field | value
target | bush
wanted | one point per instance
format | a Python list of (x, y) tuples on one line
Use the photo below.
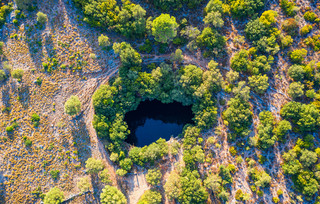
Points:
[(111, 194), (104, 41), (54, 196), (35, 118), (289, 7), (55, 174), (41, 17), (296, 72), (72, 106), (104, 176), (153, 177), (285, 41), (297, 56), (84, 184), (259, 83), (27, 141), (296, 90), (1, 47), (240, 61), (306, 29), (3, 75), (291, 26), (9, 129), (310, 16), (94, 166), (150, 197), (17, 74)]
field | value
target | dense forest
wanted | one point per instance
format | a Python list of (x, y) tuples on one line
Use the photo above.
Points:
[(70, 71)]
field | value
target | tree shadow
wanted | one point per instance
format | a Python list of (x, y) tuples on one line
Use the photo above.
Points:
[(81, 137), (6, 98), (2, 189), (24, 95)]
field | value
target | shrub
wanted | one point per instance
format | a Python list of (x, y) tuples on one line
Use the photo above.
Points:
[(296, 72), (35, 118), (111, 194), (27, 141), (9, 129), (153, 177), (84, 184), (233, 151), (296, 90), (94, 166), (54, 196), (150, 197), (104, 41), (306, 29), (310, 16), (285, 41), (17, 74), (104, 176), (3, 75), (291, 26), (41, 17), (297, 56), (55, 174), (289, 7), (72, 106)]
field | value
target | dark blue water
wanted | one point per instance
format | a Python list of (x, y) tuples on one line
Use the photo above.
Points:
[(153, 120)]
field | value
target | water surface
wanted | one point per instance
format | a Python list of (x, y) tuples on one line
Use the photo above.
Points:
[(153, 120)]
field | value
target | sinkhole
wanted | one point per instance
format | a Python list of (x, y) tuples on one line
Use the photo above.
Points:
[(153, 120)]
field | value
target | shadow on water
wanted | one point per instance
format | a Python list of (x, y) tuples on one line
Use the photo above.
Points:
[(153, 119)]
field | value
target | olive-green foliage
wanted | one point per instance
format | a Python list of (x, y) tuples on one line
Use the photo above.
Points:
[(291, 26), (285, 41), (192, 190), (296, 72), (130, 59), (84, 184), (164, 28), (150, 197), (55, 174), (72, 105), (17, 74), (305, 116), (153, 177), (241, 91), (310, 16), (4, 12), (266, 138), (240, 61), (111, 194), (306, 29), (238, 116), (41, 18), (1, 47), (245, 8), (104, 176), (282, 128), (104, 41), (255, 29), (24, 4), (94, 166), (296, 90), (297, 56), (213, 182), (54, 196), (211, 40), (172, 185), (259, 83), (289, 7), (214, 14)]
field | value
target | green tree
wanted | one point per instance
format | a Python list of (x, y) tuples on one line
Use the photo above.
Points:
[(119, 131), (213, 182), (296, 72), (245, 8), (84, 184), (282, 128), (111, 194), (41, 18), (240, 61), (172, 185), (54, 196), (259, 83), (72, 105), (3, 75), (150, 197), (104, 41), (214, 18), (308, 158), (211, 39), (255, 29), (153, 177), (297, 56), (1, 47), (104, 176), (24, 4), (177, 56), (126, 164), (241, 91), (164, 28), (296, 90), (94, 166)]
